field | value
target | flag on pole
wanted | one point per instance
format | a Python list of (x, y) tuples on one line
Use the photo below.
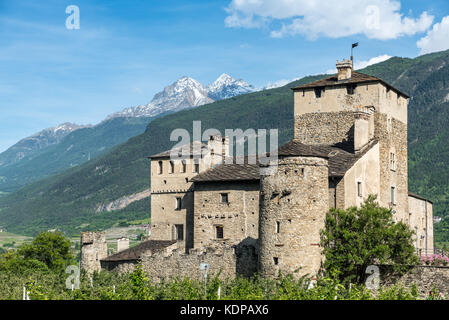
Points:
[(355, 45)]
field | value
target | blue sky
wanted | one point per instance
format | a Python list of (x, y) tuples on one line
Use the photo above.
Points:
[(126, 51)]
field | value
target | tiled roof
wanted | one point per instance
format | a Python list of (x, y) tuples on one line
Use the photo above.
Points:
[(166, 154), (229, 172), (357, 77), (135, 253), (340, 161), (296, 148)]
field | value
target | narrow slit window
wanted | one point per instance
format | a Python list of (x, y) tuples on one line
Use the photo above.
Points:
[(276, 261), (178, 203), (172, 167), (196, 168), (278, 227), (393, 190), (179, 232), (183, 166), (359, 189), (160, 167), (219, 232)]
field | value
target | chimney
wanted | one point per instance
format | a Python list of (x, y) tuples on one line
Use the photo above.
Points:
[(344, 69), (363, 127), (218, 147), (122, 244)]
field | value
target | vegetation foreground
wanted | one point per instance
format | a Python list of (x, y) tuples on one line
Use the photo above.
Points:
[(135, 286), (47, 269)]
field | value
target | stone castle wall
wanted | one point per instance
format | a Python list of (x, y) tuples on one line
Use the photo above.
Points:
[(392, 136), (325, 128), (224, 260), (294, 202), (424, 277), (93, 249), (239, 217)]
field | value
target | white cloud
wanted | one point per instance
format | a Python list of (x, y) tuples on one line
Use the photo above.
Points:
[(365, 63), (436, 39), (279, 83), (376, 19)]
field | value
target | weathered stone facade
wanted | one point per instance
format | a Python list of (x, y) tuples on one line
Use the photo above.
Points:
[(172, 200), (426, 278), (226, 260), (420, 219), (231, 206), (294, 203), (93, 249)]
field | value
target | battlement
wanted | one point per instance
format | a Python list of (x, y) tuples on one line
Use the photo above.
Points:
[(344, 68), (89, 237)]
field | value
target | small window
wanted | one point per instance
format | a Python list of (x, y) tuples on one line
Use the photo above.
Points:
[(224, 198), (160, 167), (276, 261), (392, 161), (359, 189), (350, 89), (318, 92), (183, 166), (219, 232), (196, 168), (172, 167), (179, 232), (393, 190), (178, 203), (278, 227), (303, 93)]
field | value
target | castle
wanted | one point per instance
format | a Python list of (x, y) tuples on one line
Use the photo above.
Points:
[(350, 141)]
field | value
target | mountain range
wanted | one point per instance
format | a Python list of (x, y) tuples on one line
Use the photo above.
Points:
[(70, 200), (67, 145)]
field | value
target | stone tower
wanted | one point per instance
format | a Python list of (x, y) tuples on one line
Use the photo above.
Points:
[(352, 111), (172, 198), (293, 206), (93, 249)]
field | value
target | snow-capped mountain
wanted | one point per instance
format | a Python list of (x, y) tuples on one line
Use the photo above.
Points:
[(182, 94), (36, 142), (227, 87), (187, 93)]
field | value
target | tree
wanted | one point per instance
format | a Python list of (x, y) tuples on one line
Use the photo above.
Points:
[(355, 238), (48, 250)]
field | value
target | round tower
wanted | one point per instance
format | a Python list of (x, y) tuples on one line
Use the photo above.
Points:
[(294, 201)]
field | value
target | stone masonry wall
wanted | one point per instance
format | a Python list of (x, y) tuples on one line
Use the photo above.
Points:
[(224, 260), (239, 217), (325, 128), (425, 277), (93, 249), (393, 139), (294, 202)]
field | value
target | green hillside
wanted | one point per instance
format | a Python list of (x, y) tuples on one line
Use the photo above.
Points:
[(74, 150), (69, 200)]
